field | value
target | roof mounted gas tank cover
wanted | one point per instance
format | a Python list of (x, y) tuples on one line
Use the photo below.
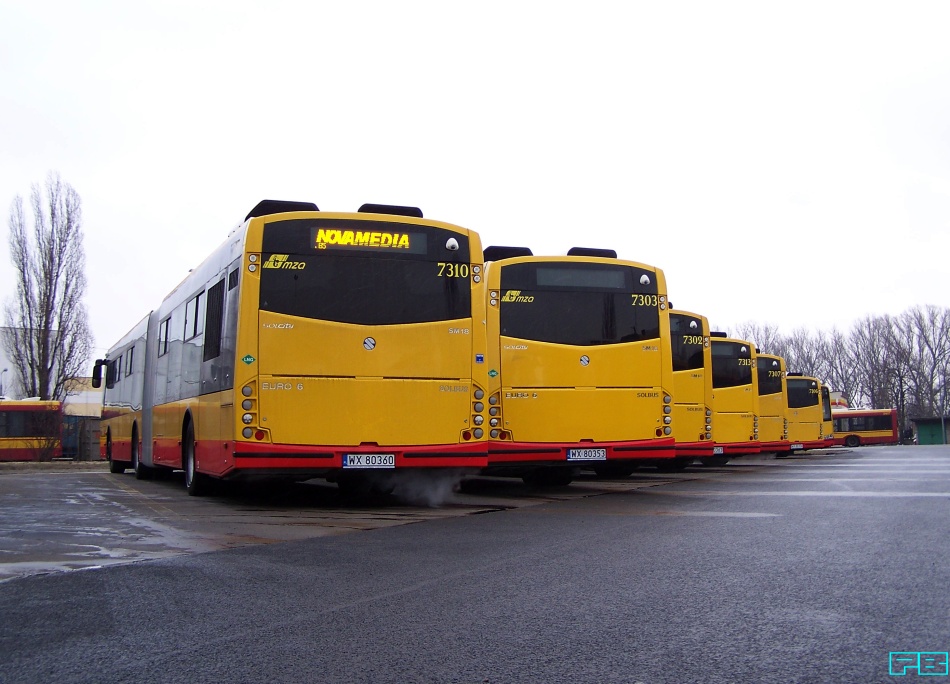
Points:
[(266, 207), (393, 209), (796, 375), (497, 253), (592, 252), (716, 333)]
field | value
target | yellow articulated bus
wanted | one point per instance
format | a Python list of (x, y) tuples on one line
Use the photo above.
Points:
[(735, 398), (773, 403), (810, 424), (692, 387), (310, 344), (579, 364)]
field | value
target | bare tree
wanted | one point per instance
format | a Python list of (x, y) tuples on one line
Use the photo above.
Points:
[(47, 335)]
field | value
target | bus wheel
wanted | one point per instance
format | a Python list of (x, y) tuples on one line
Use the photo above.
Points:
[(142, 471), (852, 441), (196, 483), (549, 477), (116, 467), (716, 461), (615, 470), (674, 465)]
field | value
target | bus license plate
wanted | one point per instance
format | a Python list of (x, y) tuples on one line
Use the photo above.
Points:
[(718, 451), (369, 460), (586, 454), (793, 447)]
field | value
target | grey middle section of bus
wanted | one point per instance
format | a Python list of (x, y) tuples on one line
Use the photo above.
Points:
[(151, 354)]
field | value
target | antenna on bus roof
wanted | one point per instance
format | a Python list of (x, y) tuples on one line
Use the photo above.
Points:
[(496, 253), (266, 207), (592, 252), (716, 333), (394, 209)]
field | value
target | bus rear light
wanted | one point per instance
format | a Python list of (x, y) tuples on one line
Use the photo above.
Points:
[(493, 422), (667, 399), (493, 399), (708, 435), (667, 409), (659, 432), (667, 420), (466, 435), (247, 418), (259, 435), (247, 404), (493, 411), (667, 431), (478, 420), (479, 407), (479, 394), (478, 433), (247, 433), (247, 390), (494, 434)]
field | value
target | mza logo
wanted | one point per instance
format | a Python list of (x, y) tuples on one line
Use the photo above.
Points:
[(282, 261), (920, 663), (516, 296)]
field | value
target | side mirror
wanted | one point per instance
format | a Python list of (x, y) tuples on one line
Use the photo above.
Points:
[(97, 373)]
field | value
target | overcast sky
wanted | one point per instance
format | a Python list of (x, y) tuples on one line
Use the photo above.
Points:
[(784, 163)]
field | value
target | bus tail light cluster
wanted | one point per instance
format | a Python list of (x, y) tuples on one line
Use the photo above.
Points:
[(708, 434), (250, 416), (478, 418), (785, 429), (495, 420), (755, 428), (667, 428)]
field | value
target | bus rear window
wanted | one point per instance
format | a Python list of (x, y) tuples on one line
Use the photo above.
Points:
[(581, 304), (731, 364), (687, 341), (365, 272), (802, 393)]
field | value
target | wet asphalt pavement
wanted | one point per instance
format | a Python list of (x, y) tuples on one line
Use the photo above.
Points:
[(811, 569)]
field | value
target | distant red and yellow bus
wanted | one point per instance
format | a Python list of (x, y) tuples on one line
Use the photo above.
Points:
[(857, 427), (30, 430)]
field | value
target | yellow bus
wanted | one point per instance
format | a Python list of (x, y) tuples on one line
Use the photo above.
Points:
[(310, 344), (809, 413), (773, 403), (692, 387), (735, 398), (579, 364)]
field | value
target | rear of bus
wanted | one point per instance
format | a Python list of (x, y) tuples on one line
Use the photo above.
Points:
[(359, 340), (773, 403), (735, 396), (579, 364), (809, 413), (692, 385)]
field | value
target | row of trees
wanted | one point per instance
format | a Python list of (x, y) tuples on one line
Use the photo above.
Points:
[(900, 362)]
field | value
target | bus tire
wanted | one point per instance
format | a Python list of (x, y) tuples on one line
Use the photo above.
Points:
[(674, 465), (716, 461), (142, 471), (852, 441), (615, 470), (115, 467), (549, 477), (196, 483)]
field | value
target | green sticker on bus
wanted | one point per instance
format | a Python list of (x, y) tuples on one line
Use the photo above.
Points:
[(248, 359)]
